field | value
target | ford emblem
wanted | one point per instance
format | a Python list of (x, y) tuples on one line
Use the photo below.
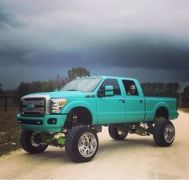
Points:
[(30, 106)]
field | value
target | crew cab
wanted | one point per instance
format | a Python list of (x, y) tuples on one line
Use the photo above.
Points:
[(72, 116)]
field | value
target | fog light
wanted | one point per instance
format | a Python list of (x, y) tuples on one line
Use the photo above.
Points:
[(52, 121)]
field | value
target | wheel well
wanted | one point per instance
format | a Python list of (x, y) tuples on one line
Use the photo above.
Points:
[(162, 112), (78, 116)]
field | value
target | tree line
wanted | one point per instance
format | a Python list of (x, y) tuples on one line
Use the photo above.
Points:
[(171, 89), (50, 85)]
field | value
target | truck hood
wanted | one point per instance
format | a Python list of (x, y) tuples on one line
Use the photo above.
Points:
[(59, 94)]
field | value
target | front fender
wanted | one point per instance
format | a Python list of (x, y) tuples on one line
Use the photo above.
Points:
[(80, 103)]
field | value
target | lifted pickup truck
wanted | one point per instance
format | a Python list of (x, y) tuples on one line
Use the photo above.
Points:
[(72, 116)]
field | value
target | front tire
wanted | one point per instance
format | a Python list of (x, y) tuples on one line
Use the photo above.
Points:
[(164, 133), (81, 144), (31, 142), (117, 132)]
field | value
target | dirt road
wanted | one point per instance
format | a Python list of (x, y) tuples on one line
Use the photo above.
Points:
[(135, 158)]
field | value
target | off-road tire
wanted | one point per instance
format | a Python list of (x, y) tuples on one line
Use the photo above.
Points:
[(26, 143), (162, 138), (115, 134), (73, 142)]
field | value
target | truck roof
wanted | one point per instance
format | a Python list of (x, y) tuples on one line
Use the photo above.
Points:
[(109, 77)]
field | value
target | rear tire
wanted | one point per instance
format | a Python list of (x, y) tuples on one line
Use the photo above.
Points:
[(117, 132), (31, 142), (164, 133), (81, 144)]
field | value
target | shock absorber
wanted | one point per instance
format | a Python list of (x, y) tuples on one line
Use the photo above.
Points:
[(140, 129), (74, 119)]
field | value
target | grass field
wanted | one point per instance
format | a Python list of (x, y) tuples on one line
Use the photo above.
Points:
[(9, 131)]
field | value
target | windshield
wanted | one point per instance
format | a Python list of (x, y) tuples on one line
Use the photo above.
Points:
[(82, 84)]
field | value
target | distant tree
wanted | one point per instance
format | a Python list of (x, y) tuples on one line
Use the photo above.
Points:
[(172, 89), (33, 87), (1, 87), (60, 81), (23, 89), (77, 72), (161, 89), (51, 85), (185, 97)]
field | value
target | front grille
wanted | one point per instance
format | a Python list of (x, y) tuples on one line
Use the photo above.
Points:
[(33, 107)]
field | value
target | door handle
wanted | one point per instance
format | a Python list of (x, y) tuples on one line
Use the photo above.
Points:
[(141, 101), (122, 100)]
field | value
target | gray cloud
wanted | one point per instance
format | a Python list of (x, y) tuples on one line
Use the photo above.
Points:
[(114, 37), (8, 20), (10, 55), (146, 52), (4, 19), (135, 52)]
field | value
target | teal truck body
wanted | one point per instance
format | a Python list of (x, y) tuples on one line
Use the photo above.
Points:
[(93, 102)]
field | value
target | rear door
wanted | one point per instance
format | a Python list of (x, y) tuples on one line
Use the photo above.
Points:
[(135, 105), (111, 109)]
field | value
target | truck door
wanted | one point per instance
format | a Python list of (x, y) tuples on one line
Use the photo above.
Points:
[(134, 100), (111, 109)]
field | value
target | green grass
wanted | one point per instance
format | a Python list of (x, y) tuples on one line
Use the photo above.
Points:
[(9, 131)]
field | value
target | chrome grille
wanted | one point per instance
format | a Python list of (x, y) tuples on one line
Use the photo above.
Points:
[(33, 106)]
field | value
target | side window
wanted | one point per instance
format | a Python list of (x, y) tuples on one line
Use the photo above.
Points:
[(130, 88), (112, 82)]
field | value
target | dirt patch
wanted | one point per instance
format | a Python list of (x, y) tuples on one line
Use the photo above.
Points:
[(184, 110), (136, 157)]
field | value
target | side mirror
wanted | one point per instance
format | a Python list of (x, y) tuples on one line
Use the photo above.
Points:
[(109, 90)]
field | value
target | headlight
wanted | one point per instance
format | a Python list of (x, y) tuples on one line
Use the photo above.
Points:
[(57, 105)]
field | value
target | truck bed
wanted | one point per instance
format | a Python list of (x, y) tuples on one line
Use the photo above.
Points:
[(152, 103)]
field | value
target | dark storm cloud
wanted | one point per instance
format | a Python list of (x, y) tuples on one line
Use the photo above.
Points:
[(4, 19), (7, 19), (129, 38), (134, 52), (10, 56), (155, 53)]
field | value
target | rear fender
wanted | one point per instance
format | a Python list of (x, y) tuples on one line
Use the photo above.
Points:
[(160, 105)]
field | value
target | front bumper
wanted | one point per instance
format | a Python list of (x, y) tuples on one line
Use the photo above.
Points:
[(44, 123)]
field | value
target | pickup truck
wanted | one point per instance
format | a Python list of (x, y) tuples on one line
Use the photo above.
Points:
[(72, 116)]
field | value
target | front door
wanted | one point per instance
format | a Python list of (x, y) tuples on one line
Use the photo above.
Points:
[(111, 109)]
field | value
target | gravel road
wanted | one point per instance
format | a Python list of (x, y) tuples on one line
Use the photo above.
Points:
[(134, 158)]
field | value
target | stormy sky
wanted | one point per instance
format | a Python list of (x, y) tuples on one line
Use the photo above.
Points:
[(146, 39)]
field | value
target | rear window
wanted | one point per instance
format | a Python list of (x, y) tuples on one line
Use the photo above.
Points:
[(130, 88)]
